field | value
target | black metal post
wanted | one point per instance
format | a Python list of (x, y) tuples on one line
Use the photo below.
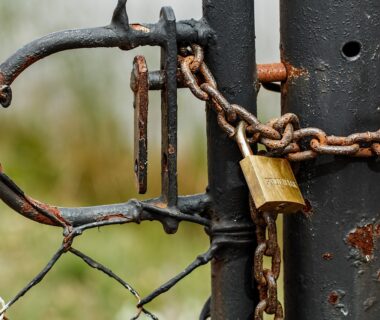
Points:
[(332, 265), (232, 60)]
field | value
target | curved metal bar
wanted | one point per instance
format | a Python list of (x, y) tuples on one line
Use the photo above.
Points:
[(108, 36), (117, 34), (190, 208)]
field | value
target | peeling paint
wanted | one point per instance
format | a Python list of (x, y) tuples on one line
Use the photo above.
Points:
[(139, 27)]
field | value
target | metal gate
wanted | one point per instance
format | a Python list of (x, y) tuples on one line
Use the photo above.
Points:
[(328, 77)]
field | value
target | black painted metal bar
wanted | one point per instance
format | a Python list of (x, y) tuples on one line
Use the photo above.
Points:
[(231, 59), (169, 109), (332, 265)]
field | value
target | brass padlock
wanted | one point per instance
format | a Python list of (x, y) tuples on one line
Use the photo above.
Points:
[(271, 181)]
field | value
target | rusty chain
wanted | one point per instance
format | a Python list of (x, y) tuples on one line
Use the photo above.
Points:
[(267, 245), (281, 136)]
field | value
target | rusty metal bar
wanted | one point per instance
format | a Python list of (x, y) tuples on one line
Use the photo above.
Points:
[(271, 72), (140, 87), (231, 59), (266, 73), (332, 257)]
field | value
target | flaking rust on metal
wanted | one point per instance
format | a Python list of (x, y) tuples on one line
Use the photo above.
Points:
[(2, 78), (171, 149), (364, 239), (333, 298), (139, 27), (292, 73), (30, 208), (140, 87)]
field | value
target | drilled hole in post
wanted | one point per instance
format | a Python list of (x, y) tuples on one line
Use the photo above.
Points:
[(351, 50)]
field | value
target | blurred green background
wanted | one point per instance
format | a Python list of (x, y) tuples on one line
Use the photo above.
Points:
[(67, 140)]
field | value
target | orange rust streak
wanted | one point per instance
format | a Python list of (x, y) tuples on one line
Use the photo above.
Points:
[(2, 79), (362, 239), (51, 209), (139, 27), (271, 72), (30, 212)]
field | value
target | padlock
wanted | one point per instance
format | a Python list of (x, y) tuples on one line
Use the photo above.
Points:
[(271, 181)]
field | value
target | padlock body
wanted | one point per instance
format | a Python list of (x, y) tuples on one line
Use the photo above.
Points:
[(272, 184)]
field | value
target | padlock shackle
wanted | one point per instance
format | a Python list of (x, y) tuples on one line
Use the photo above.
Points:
[(241, 139)]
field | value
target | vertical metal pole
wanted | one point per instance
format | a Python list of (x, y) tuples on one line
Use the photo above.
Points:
[(232, 60), (169, 110), (332, 256)]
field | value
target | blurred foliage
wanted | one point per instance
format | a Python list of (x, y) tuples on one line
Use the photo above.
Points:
[(67, 140)]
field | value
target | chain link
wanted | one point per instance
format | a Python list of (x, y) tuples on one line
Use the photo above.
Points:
[(281, 136), (267, 245)]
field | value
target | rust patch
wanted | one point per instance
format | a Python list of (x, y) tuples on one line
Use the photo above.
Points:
[(362, 238), (171, 149), (333, 298), (46, 207), (293, 72), (2, 78), (271, 72), (31, 213), (28, 61), (140, 86), (327, 256), (139, 27)]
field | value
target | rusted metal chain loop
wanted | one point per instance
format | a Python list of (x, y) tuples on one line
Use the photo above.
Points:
[(318, 147), (254, 125), (271, 292), (301, 156), (281, 136), (225, 125), (258, 264), (285, 140), (262, 306), (198, 57), (266, 234), (207, 75), (280, 123), (190, 79), (220, 99), (376, 148)]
